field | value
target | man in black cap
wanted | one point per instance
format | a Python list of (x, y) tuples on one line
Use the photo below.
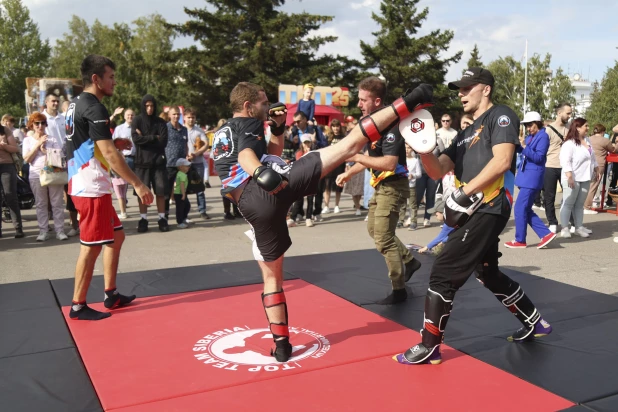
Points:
[(483, 159)]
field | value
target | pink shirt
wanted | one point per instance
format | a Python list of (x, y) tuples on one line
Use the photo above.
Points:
[(39, 160)]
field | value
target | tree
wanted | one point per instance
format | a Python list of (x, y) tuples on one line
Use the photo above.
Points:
[(475, 58), (604, 100), (509, 82), (407, 59), (560, 90), (141, 54), (23, 54), (249, 40)]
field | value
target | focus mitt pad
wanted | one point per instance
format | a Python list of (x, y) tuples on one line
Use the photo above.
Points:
[(418, 131), (277, 129), (269, 180), (459, 207)]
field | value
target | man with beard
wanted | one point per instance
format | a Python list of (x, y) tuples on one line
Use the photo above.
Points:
[(264, 186), (149, 133), (483, 159)]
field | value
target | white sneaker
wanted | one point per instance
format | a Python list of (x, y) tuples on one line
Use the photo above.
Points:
[(553, 228), (73, 232), (585, 229), (572, 230), (536, 207), (367, 218), (616, 239), (326, 210), (407, 222), (61, 236), (336, 210), (188, 221), (122, 216), (43, 236), (291, 222), (182, 225), (590, 212), (581, 232), (565, 233), (318, 218), (358, 212), (426, 223), (309, 223)]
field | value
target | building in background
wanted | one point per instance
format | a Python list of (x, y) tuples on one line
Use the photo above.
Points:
[(583, 88)]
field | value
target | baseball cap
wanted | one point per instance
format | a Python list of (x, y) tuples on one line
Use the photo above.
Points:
[(473, 75), (305, 137), (531, 117), (182, 162)]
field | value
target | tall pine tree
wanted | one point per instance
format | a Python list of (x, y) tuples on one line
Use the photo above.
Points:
[(475, 58), (407, 59), (23, 54), (248, 40)]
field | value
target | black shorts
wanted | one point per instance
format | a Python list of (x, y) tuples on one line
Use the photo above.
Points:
[(267, 213), (154, 178), (70, 204)]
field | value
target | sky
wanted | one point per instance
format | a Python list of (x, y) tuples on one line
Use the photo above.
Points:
[(582, 37)]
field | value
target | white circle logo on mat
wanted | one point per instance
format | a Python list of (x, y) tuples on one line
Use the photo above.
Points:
[(243, 348)]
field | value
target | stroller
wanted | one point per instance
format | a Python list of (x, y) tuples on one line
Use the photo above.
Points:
[(25, 197)]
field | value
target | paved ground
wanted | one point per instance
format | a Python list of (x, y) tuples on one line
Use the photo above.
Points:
[(588, 263)]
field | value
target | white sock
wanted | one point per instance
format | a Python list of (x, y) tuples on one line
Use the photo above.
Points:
[(161, 215), (144, 215)]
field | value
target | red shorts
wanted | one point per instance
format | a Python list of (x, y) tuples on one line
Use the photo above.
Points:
[(97, 220)]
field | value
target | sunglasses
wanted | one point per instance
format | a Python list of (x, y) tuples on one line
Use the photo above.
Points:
[(446, 121), (40, 123)]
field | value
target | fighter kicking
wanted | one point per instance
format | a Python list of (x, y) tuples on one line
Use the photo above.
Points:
[(483, 158), (264, 186)]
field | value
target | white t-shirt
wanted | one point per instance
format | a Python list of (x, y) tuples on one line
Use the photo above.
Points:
[(39, 160), (446, 135), (414, 170), (124, 132), (55, 126)]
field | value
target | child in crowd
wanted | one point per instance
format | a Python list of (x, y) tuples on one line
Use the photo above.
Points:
[(307, 104), (414, 172), (180, 193), (448, 183)]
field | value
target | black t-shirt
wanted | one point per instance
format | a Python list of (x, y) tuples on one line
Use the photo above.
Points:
[(232, 138), (471, 150), (87, 121), (391, 144)]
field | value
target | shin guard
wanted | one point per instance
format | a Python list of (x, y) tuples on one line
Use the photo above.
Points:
[(280, 331), (437, 312)]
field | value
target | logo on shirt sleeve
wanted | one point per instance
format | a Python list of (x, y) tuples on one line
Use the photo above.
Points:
[(504, 121), (69, 125), (222, 143), (390, 138)]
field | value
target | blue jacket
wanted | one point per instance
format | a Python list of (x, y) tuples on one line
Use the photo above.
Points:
[(531, 169)]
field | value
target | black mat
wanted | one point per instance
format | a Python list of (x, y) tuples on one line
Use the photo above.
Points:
[(609, 404), (49, 381), (578, 361), (168, 281), (26, 295)]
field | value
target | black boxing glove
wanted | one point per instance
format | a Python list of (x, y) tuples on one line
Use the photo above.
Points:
[(459, 207), (269, 180), (420, 97), (276, 129)]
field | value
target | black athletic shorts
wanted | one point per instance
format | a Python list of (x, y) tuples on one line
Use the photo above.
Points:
[(70, 205), (154, 178), (267, 213)]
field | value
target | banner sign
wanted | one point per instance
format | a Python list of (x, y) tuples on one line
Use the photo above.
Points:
[(324, 95)]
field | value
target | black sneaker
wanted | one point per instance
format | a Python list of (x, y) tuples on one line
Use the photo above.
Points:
[(282, 350), (18, 234), (399, 225), (163, 225), (142, 226), (397, 296), (208, 186), (228, 216), (411, 267), (205, 216)]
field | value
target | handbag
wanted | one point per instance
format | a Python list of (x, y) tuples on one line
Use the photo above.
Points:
[(51, 175)]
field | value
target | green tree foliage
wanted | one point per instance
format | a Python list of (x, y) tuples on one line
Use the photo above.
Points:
[(22, 54), (407, 59), (252, 40), (544, 91), (475, 58), (141, 53), (604, 100)]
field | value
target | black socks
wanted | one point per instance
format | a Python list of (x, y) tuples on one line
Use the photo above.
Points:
[(113, 299), (397, 296), (81, 311)]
